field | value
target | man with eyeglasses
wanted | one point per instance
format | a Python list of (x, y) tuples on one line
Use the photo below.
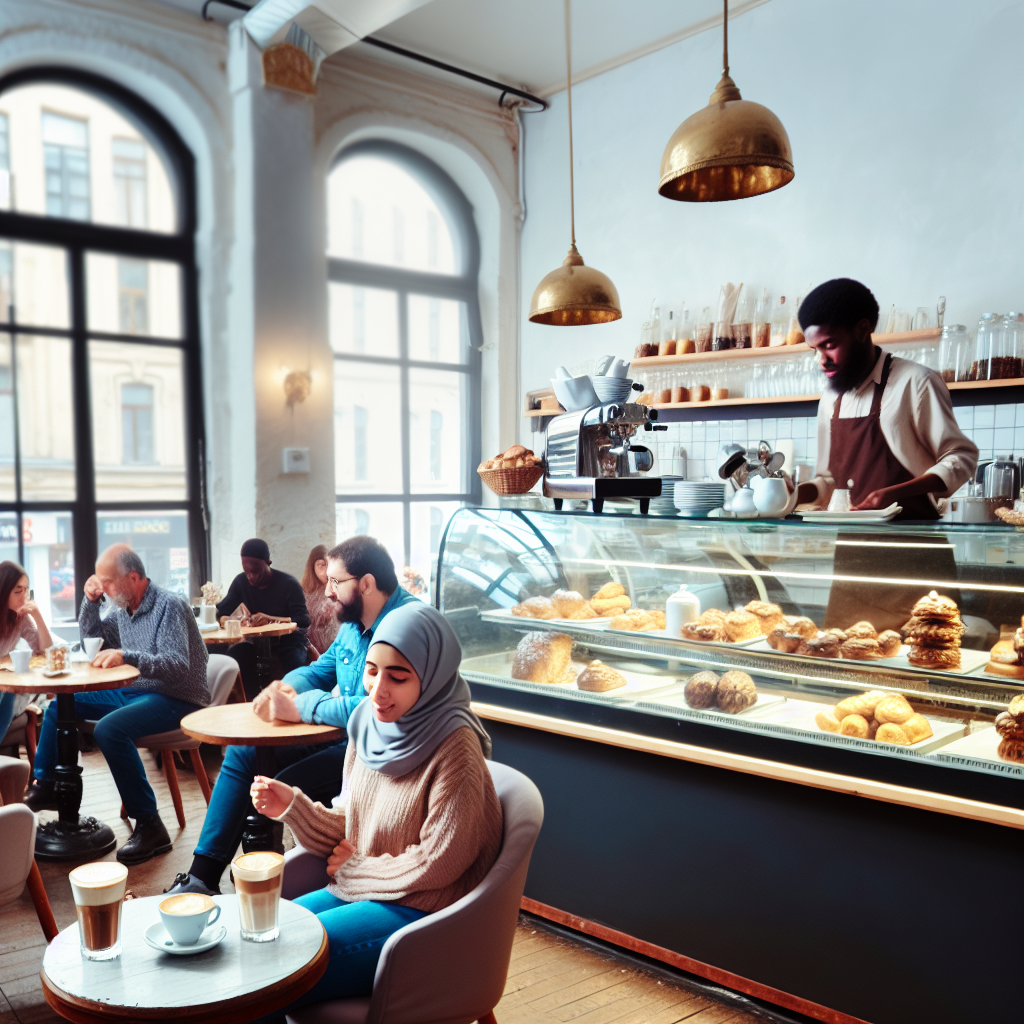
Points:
[(361, 581)]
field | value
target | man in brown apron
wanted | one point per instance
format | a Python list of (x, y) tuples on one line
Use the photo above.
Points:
[(886, 432)]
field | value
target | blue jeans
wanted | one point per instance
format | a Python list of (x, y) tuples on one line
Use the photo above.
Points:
[(316, 769), (356, 933), (121, 717), (6, 713)]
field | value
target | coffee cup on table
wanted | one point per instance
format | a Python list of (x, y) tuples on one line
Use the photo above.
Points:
[(233, 628), (20, 659), (258, 877), (91, 645), (186, 914), (98, 889)]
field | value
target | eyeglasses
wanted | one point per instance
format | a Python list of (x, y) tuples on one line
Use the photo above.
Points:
[(334, 584)]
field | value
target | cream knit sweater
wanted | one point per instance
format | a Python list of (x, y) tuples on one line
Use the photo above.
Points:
[(424, 839)]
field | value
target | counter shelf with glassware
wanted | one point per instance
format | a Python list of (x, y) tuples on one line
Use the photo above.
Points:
[(845, 689)]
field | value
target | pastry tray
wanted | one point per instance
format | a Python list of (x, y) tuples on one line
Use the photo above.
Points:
[(970, 660), (505, 616), (799, 714), (980, 746), (765, 701), (638, 684), (664, 634)]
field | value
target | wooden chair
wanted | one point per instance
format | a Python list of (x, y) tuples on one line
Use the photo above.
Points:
[(18, 866), (448, 967), (221, 676), (23, 732)]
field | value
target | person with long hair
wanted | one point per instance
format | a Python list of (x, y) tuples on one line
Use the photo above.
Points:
[(419, 823), (20, 619), (323, 619)]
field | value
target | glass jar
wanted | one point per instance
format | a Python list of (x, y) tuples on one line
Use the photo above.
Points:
[(954, 346), (986, 346), (1013, 345)]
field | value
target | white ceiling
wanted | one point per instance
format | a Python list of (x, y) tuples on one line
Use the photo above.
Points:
[(522, 42)]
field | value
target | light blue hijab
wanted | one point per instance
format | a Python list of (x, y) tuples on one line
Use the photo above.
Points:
[(427, 641)]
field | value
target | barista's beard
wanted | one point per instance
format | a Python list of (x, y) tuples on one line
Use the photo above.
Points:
[(352, 611), (855, 373)]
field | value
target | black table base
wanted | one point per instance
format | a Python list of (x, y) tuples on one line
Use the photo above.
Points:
[(71, 837), (259, 832)]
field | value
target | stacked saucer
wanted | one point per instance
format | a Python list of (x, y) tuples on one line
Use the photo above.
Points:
[(665, 505), (696, 498)]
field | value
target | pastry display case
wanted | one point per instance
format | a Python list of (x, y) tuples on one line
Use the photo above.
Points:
[(901, 644)]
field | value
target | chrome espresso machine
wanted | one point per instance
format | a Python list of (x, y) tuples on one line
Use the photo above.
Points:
[(589, 455)]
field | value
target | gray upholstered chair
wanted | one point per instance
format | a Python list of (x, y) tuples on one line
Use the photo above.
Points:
[(221, 674), (18, 845), (449, 967)]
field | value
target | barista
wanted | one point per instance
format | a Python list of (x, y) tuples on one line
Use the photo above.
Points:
[(886, 432)]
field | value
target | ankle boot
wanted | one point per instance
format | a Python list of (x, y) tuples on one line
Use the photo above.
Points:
[(149, 839)]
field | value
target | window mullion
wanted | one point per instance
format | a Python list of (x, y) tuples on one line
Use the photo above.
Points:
[(406, 420)]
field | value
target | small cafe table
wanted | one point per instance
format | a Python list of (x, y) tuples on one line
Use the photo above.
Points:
[(70, 837), (260, 637), (236, 724), (235, 981)]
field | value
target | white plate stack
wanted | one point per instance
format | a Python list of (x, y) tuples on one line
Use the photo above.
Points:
[(697, 498), (666, 504)]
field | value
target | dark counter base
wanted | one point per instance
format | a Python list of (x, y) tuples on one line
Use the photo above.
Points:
[(882, 913)]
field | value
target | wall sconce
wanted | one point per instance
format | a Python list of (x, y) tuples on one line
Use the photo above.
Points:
[(297, 386)]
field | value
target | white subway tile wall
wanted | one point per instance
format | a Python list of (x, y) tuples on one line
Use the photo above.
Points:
[(995, 429)]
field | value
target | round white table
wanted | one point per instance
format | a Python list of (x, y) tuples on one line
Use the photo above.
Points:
[(235, 981)]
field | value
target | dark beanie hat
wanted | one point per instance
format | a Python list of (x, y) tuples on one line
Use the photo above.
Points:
[(256, 548)]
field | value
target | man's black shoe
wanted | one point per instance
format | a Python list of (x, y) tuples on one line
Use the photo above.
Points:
[(149, 839), (42, 795)]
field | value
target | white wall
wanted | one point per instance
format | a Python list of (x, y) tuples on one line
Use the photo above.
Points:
[(907, 125)]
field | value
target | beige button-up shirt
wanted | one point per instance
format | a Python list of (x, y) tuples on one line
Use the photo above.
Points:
[(917, 423)]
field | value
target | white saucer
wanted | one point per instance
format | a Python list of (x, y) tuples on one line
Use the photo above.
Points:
[(208, 627), (157, 937)]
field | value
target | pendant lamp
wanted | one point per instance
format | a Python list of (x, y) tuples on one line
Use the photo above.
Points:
[(574, 294), (732, 149)]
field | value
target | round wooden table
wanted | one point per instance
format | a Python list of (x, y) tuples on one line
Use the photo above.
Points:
[(260, 636), (235, 981), (236, 724), (70, 837)]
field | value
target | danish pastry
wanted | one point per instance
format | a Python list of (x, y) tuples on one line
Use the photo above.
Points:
[(826, 721), (863, 704), (700, 690), (742, 626), (917, 728), (862, 631), (945, 658), (890, 732), (889, 641), (801, 625), (840, 634), (544, 657), (861, 649), (826, 646), (597, 677), (780, 640), (736, 692), (712, 615), (536, 608), (893, 708), (768, 616), (854, 725), (705, 632)]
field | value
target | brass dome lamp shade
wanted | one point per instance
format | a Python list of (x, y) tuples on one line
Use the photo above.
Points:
[(732, 149), (574, 294)]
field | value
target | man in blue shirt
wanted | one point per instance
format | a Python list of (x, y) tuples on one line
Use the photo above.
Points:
[(361, 581)]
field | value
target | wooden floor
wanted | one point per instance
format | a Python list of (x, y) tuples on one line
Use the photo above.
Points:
[(551, 979)]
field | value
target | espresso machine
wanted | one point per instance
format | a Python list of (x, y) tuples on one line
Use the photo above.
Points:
[(589, 455)]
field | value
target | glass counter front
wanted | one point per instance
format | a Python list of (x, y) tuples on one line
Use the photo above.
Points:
[(896, 641)]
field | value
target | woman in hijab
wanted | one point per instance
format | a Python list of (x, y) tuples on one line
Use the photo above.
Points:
[(419, 823)]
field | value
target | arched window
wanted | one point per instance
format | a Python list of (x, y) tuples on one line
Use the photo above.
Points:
[(100, 407), (404, 323)]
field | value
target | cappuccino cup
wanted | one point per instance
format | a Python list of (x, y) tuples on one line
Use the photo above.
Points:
[(258, 878), (98, 889), (186, 914), (20, 659), (91, 645)]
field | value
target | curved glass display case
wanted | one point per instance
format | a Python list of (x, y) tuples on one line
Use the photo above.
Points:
[(874, 641)]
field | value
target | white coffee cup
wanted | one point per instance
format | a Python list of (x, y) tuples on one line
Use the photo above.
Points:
[(20, 659), (91, 645), (186, 914), (233, 628)]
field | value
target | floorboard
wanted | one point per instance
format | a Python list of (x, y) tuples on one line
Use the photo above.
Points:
[(551, 979)]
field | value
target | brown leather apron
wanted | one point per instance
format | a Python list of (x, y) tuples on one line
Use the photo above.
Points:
[(859, 452)]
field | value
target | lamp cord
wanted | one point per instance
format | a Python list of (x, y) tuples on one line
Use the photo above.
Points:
[(568, 90), (725, 38)]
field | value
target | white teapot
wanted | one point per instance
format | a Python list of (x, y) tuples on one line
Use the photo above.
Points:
[(771, 496)]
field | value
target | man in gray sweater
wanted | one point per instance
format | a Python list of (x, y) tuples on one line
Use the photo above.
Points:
[(155, 631)]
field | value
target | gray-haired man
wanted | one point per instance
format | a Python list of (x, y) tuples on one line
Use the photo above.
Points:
[(155, 631)]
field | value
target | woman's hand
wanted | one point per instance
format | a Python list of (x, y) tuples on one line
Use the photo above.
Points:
[(342, 852), (269, 796), (29, 608)]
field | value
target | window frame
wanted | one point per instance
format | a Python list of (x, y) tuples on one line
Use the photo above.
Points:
[(461, 286), (78, 238)]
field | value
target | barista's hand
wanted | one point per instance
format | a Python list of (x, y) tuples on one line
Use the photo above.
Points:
[(342, 852), (881, 498), (269, 796)]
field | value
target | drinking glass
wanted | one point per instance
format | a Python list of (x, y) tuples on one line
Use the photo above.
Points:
[(98, 890), (258, 877)]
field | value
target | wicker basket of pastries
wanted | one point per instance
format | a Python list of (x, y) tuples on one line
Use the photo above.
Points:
[(513, 472)]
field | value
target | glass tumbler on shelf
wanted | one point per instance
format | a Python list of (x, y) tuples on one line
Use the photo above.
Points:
[(987, 347), (953, 348), (1013, 345)]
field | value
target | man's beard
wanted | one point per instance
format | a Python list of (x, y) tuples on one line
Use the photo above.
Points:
[(853, 374), (351, 612), (120, 599)]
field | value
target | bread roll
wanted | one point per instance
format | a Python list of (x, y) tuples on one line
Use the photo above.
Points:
[(700, 690), (736, 692), (826, 721), (611, 606), (854, 725), (917, 728), (742, 626), (608, 591), (769, 616), (543, 657), (535, 608), (516, 451), (568, 603), (861, 631), (893, 708), (597, 677), (890, 732)]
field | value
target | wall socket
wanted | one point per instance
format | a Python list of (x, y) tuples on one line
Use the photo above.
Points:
[(295, 460)]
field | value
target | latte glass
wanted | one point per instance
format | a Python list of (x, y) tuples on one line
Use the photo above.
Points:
[(258, 877), (99, 895)]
